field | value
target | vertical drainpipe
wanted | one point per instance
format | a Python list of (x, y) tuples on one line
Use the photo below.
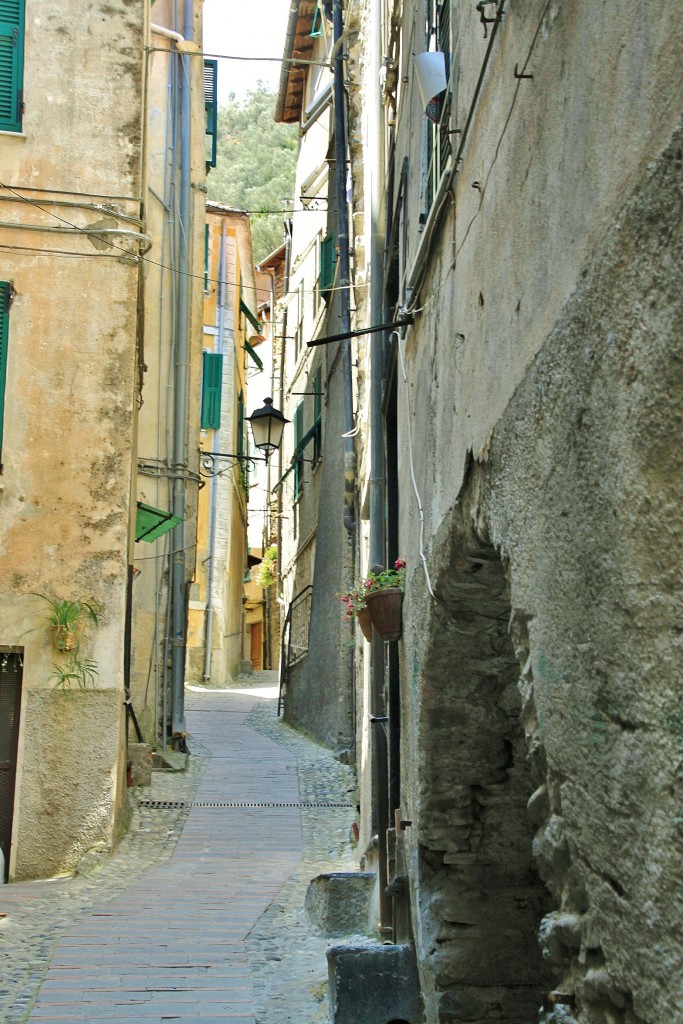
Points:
[(180, 394), (344, 271), (377, 546), (213, 507)]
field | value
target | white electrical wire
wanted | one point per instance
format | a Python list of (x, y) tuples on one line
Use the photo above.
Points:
[(423, 557)]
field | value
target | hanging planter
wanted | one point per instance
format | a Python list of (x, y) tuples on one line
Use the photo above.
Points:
[(384, 607), (376, 601), (365, 623), (64, 636)]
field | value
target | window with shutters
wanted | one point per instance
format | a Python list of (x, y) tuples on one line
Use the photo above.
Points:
[(5, 298), (212, 382), (328, 261), (211, 110), (298, 450), (317, 415), (11, 64)]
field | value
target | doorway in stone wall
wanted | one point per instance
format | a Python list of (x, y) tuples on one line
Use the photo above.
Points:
[(481, 900), (11, 672)]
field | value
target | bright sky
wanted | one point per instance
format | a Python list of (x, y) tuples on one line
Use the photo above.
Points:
[(249, 28)]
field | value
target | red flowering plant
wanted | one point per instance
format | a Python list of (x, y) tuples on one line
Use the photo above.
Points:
[(354, 599), (386, 578)]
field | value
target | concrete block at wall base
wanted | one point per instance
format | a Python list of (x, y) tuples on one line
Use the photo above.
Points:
[(338, 903), (140, 762), (373, 984), (246, 668)]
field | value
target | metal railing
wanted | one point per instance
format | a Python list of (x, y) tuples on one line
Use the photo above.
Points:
[(294, 639)]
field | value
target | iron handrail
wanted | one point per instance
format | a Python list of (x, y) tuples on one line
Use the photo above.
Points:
[(286, 645)]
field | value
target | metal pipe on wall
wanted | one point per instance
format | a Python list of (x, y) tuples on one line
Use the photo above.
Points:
[(180, 421), (344, 266), (377, 545)]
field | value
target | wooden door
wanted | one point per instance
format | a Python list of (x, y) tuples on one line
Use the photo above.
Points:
[(257, 646), (11, 670)]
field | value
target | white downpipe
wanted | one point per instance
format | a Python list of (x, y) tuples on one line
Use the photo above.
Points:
[(168, 32)]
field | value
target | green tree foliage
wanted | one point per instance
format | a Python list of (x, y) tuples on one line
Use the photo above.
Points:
[(256, 160)]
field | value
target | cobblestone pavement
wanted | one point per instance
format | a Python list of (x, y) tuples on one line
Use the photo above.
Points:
[(198, 916)]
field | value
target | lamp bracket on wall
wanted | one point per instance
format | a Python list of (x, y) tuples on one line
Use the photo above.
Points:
[(404, 322), (208, 460)]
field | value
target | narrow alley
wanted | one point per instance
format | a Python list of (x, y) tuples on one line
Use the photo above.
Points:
[(199, 916)]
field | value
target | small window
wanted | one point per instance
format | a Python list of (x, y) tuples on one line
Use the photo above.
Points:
[(317, 26), (5, 299), (328, 260), (211, 109), (11, 64), (298, 452), (212, 383), (317, 415), (299, 333)]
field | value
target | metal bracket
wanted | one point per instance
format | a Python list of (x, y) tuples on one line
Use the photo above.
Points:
[(482, 15)]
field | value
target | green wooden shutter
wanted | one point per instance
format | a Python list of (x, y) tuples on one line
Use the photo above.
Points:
[(298, 455), (11, 64), (212, 380), (328, 259), (211, 109), (317, 414), (5, 292)]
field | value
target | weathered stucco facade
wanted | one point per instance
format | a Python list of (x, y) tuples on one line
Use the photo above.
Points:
[(317, 552), (548, 355), (71, 234), (216, 598), (531, 406), (172, 323)]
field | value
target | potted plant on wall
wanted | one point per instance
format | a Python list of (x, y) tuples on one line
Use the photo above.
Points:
[(377, 601), (66, 620), (266, 574), (384, 599), (356, 608)]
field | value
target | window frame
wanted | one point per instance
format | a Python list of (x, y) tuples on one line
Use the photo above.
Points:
[(212, 390), (13, 40), (5, 303)]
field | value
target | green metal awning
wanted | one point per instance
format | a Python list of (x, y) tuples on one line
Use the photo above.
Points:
[(151, 523), (253, 320), (252, 352)]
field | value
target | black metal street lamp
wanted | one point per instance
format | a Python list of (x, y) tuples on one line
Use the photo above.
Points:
[(267, 425)]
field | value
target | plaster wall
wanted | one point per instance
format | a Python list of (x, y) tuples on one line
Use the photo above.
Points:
[(69, 409), (549, 357), (156, 418), (546, 167)]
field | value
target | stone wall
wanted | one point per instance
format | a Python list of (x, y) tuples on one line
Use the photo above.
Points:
[(573, 511)]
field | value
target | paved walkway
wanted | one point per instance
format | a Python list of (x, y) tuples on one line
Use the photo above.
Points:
[(215, 932)]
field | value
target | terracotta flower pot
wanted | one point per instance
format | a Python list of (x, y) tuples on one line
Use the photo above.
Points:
[(385, 611), (64, 637), (365, 623)]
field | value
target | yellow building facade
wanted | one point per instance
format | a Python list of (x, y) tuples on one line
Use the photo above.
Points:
[(218, 645), (91, 291)]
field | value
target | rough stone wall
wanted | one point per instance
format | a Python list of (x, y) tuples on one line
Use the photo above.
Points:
[(577, 499), (319, 697)]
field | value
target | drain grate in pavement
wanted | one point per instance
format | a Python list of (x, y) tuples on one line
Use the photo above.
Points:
[(163, 805)]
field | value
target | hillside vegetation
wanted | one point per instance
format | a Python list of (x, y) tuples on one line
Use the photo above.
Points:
[(256, 161)]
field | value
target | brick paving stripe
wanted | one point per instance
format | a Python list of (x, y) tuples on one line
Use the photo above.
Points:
[(198, 917)]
